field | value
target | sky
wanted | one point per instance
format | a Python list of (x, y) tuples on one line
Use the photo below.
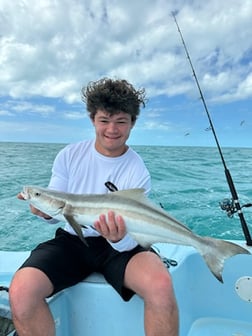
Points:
[(50, 49)]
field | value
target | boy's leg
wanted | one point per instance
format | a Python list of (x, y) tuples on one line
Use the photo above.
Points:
[(30, 312), (146, 275)]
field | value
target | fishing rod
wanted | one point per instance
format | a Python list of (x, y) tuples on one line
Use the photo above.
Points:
[(233, 206)]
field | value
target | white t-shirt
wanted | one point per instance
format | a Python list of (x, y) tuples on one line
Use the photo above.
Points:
[(80, 169)]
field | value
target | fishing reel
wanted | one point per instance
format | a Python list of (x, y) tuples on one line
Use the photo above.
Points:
[(228, 205)]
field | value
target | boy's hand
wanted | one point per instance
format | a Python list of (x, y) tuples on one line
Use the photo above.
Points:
[(111, 227)]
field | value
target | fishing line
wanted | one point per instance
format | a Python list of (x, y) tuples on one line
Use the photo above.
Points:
[(234, 205)]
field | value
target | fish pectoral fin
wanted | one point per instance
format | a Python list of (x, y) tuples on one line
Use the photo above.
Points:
[(77, 228)]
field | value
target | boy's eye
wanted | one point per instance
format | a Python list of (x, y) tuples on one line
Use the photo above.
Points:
[(120, 122)]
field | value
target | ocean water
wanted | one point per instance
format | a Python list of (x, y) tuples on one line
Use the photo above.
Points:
[(189, 182)]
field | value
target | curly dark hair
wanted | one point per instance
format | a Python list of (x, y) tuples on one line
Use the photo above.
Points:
[(113, 96)]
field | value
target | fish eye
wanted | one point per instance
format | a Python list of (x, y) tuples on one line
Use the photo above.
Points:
[(37, 194)]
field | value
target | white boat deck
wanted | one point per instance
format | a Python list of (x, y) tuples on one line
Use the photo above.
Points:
[(206, 306)]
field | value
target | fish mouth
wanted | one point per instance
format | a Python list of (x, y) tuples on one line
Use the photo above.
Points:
[(25, 194)]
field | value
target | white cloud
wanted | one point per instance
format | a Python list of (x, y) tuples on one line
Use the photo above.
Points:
[(53, 48), (73, 115), (154, 125), (15, 107), (6, 113), (242, 91), (43, 132), (50, 49)]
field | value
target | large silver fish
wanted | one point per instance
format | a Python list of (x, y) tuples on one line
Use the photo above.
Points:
[(145, 222)]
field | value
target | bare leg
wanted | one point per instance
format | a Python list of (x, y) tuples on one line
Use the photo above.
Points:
[(148, 277), (30, 312)]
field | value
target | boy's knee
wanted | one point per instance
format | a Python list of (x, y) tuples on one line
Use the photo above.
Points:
[(163, 283), (160, 288)]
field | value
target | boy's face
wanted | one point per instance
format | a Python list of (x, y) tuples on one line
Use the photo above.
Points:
[(112, 132)]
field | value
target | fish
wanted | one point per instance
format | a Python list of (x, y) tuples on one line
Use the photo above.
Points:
[(145, 221)]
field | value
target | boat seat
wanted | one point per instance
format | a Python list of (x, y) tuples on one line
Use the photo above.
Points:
[(209, 326)]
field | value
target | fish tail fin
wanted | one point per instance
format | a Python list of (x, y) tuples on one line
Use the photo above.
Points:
[(216, 251)]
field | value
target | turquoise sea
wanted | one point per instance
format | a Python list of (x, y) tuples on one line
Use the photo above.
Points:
[(188, 181)]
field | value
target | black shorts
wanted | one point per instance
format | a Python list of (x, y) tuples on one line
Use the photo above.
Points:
[(66, 260)]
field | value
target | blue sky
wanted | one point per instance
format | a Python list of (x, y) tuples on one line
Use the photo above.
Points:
[(50, 49)]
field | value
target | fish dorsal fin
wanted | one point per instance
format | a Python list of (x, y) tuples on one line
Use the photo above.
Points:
[(136, 194)]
